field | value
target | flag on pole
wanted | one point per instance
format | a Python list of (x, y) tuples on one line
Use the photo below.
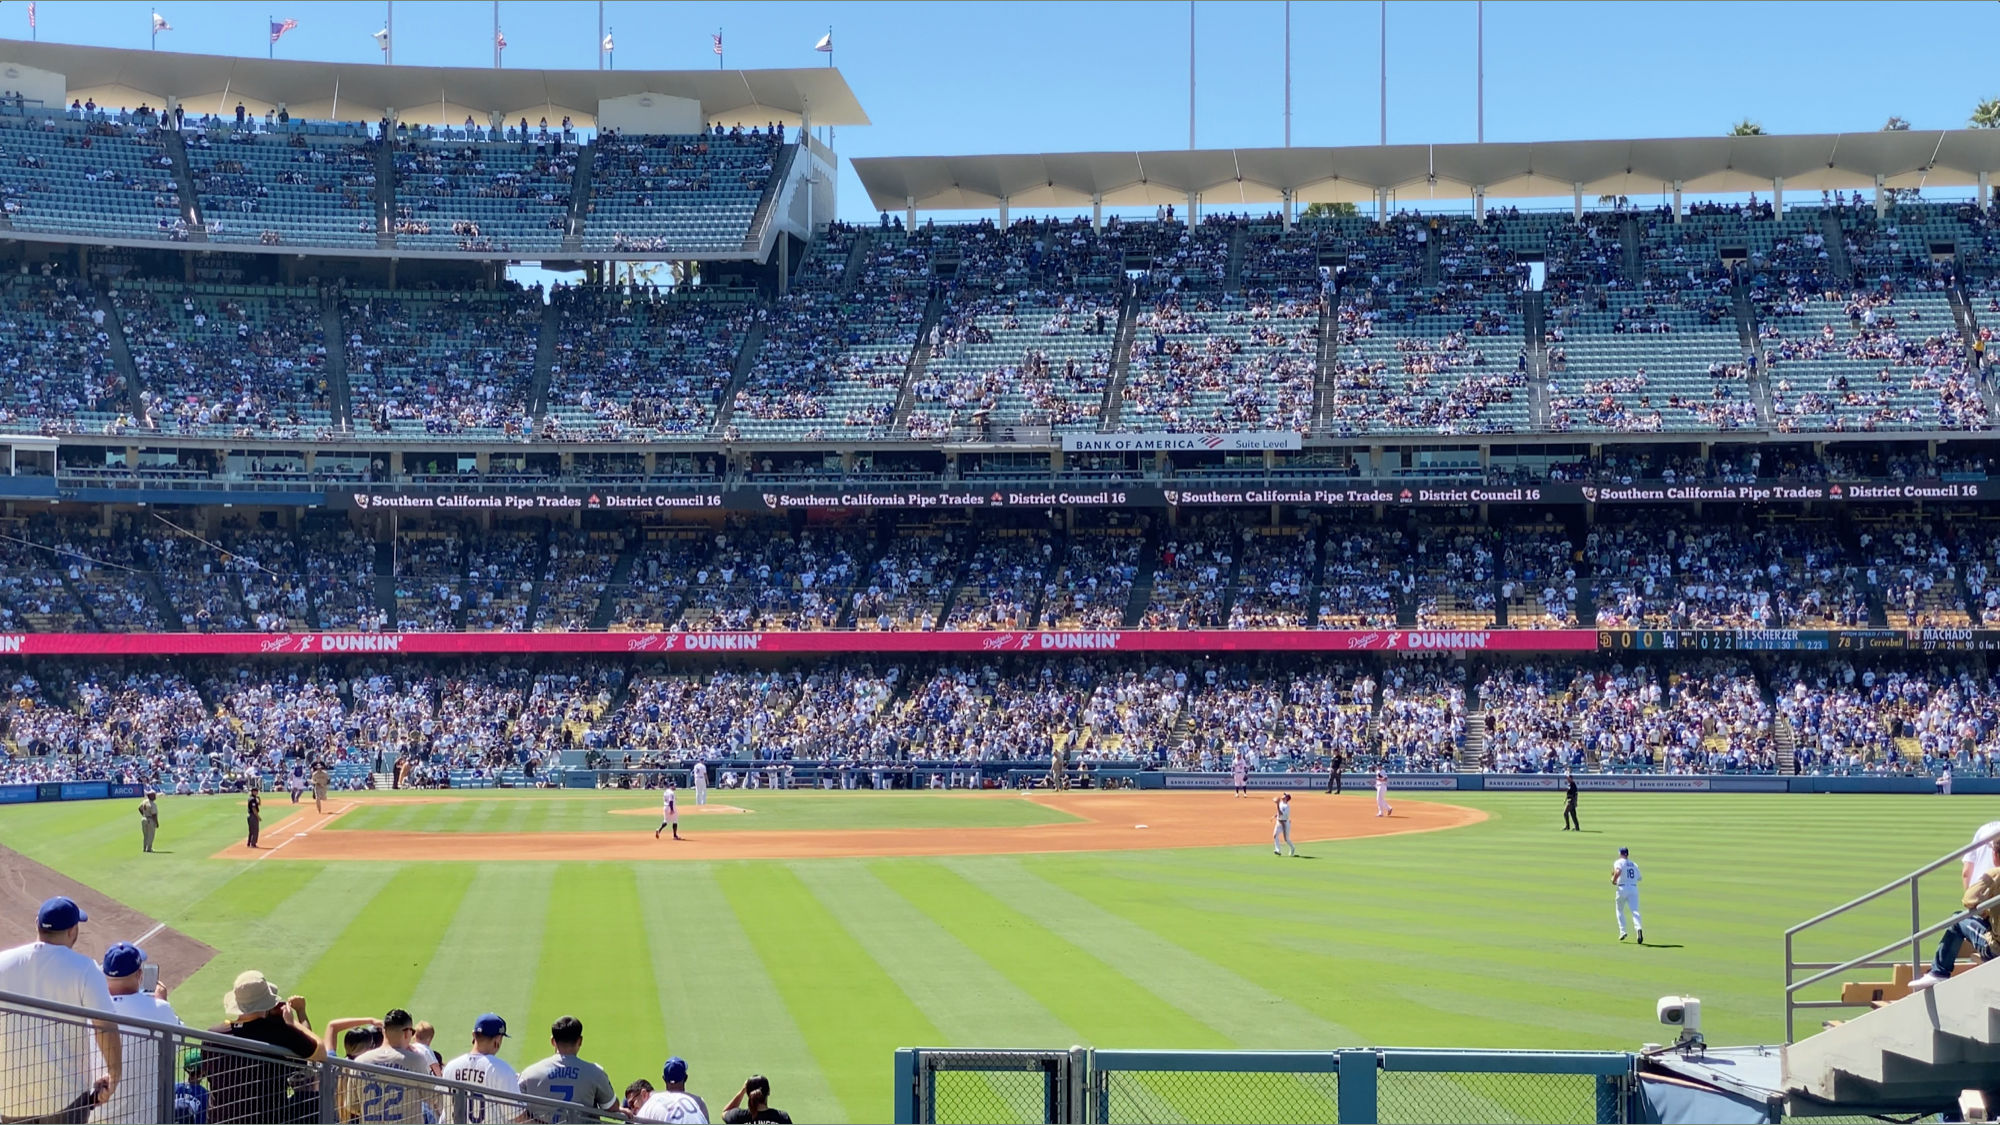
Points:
[(825, 44), (718, 42), (279, 27), (160, 23), (500, 39), (382, 39), (608, 45), (31, 13)]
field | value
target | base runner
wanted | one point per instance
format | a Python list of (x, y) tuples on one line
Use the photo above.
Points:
[(670, 816)]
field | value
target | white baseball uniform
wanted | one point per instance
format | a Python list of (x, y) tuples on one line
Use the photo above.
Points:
[(668, 813), (492, 1072), (1281, 828), (701, 783), (1382, 794), (1625, 876)]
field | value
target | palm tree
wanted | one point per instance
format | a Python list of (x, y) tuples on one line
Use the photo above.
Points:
[(1331, 211), (1746, 128), (1896, 125), (1986, 115)]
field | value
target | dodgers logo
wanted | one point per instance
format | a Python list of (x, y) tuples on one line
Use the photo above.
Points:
[(1393, 638), (992, 644), (642, 643), (1366, 640)]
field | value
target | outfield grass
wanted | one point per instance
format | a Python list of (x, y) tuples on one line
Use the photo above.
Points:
[(1495, 935), (620, 811)]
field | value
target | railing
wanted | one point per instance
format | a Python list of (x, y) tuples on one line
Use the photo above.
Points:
[(1823, 971), (48, 1064), (1087, 1087)]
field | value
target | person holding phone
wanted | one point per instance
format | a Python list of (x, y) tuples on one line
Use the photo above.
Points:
[(136, 993), (753, 1103)]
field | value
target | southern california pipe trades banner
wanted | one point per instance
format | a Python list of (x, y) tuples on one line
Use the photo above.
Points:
[(785, 496)]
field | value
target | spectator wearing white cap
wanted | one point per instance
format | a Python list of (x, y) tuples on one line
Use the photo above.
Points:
[(483, 1066), (138, 1096), (52, 1072)]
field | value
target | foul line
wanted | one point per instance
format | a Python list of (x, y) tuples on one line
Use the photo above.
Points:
[(327, 818), (142, 938)]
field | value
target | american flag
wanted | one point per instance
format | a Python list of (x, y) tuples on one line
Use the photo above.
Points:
[(718, 42), (31, 13), (279, 27), (500, 39)]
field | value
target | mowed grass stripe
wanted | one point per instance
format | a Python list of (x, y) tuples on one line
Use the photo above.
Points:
[(1206, 984), (595, 966), (381, 954), (852, 1015), (1073, 982), (722, 1011), (488, 959), (277, 918), (962, 993)]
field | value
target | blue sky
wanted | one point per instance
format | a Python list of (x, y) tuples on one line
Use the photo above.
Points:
[(977, 77)]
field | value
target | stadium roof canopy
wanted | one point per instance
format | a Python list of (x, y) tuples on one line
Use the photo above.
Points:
[(1538, 170), (424, 95)]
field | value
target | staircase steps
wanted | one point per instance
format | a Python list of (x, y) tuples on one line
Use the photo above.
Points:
[(1836, 245), (781, 171), (1142, 582), (1121, 363), (579, 199), (385, 191), (334, 329), (920, 357), (621, 577), (739, 375), (1628, 247), (176, 148), (121, 355), (1232, 279), (1323, 382), (545, 361)]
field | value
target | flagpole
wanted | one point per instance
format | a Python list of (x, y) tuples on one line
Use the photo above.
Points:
[(1190, 80), (1385, 71), (389, 47), (1482, 71), (1288, 73), (496, 34), (600, 34), (718, 48), (829, 46), (271, 52)]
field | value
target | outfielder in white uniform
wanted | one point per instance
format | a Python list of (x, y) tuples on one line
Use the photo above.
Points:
[(1382, 807), (670, 816), (701, 783), (1625, 878), (1281, 826)]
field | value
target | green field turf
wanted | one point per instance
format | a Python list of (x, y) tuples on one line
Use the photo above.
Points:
[(1496, 935), (529, 811)]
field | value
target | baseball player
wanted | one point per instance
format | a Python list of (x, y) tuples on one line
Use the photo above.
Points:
[(321, 781), (701, 783), (1625, 878), (1239, 774), (670, 816), (295, 784), (1382, 806), (149, 820), (1281, 826)]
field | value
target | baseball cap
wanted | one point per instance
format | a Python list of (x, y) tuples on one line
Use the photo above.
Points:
[(191, 1058), (1624, 851), (490, 1025), (59, 913), (123, 959), (676, 1070)]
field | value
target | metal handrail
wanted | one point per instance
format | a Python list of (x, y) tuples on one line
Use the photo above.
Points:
[(1915, 939)]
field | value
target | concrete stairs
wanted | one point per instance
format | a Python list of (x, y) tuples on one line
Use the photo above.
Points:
[(1142, 582), (1631, 259), (1836, 245), (121, 354), (1121, 364), (621, 576), (1323, 391), (334, 328), (545, 361), (920, 357), (579, 199), (1912, 1056), (385, 193), (176, 148), (1470, 755), (746, 362), (781, 171), (1232, 279)]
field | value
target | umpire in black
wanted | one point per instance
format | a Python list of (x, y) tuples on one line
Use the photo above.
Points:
[(1333, 767), (1569, 803)]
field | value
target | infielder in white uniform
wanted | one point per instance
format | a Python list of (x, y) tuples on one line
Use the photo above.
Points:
[(1382, 807), (670, 816), (1625, 878), (1281, 826), (701, 783)]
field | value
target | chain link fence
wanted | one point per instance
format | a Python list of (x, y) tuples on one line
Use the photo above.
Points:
[(1263, 1087), (55, 1062)]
